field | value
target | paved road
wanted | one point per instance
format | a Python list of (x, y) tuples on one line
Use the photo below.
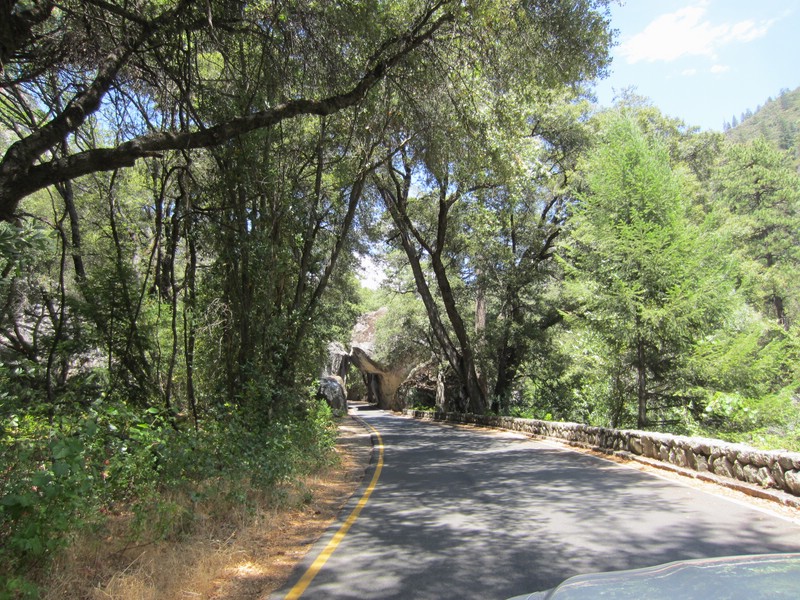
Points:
[(460, 513)]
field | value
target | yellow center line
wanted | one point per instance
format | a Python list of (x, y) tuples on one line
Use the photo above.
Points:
[(320, 561)]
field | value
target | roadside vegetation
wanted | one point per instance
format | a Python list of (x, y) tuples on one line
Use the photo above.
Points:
[(186, 193), (648, 282)]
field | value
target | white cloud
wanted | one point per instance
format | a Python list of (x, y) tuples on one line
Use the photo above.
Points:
[(717, 69), (689, 72), (747, 31), (687, 32)]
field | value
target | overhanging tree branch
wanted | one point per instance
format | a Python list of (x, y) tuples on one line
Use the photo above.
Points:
[(20, 176), (16, 26), (23, 154)]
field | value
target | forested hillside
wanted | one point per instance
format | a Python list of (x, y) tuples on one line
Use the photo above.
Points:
[(638, 273), (778, 120)]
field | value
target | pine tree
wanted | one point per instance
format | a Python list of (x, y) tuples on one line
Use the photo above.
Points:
[(759, 190), (641, 267)]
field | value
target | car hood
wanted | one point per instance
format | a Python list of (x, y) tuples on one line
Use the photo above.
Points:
[(773, 576)]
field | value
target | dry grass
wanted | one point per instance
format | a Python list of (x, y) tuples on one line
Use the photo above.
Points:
[(231, 554)]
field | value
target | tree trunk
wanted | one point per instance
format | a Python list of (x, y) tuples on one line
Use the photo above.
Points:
[(188, 323), (68, 195), (480, 328), (243, 283), (461, 357), (134, 356), (507, 364), (777, 299), (641, 368), (168, 273), (59, 318), (468, 373)]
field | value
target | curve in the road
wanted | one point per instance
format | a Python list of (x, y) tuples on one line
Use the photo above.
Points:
[(312, 571), (472, 514)]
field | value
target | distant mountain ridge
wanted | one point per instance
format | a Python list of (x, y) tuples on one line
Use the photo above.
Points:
[(778, 121)]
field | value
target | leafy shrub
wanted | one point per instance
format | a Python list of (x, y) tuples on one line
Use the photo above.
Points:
[(63, 473)]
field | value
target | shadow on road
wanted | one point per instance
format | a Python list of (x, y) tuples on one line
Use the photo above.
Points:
[(467, 514)]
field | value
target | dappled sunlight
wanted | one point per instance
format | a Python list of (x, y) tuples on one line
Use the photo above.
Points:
[(462, 513)]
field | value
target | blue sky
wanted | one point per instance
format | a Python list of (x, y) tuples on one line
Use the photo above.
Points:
[(704, 61)]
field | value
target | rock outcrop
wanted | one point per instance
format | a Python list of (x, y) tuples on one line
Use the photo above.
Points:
[(338, 361), (332, 385), (423, 383), (332, 389), (382, 382), (420, 388), (364, 331)]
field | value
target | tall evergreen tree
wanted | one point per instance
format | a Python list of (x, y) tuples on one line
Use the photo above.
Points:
[(640, 267), (758, 188)]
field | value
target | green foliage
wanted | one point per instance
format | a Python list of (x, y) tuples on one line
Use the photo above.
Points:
[(776, 121), (758, 197), (767, 422), (161, 325), (403, 334), (645, 275), (56, 477), (66, 475), (19, 246), (751, 381)]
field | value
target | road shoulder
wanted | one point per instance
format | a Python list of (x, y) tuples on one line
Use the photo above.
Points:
[(267, 564)]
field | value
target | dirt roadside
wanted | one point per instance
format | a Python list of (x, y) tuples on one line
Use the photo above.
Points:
[(241, 554), (266, 559)]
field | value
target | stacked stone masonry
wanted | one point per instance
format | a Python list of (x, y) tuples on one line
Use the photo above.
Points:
[(778, 470)]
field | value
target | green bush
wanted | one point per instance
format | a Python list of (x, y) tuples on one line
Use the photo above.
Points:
[(60, 474)]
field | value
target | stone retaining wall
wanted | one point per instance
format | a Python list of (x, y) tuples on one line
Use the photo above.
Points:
[(767, 469)]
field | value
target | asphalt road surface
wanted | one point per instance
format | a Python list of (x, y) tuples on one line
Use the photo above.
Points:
[(467, 513)]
